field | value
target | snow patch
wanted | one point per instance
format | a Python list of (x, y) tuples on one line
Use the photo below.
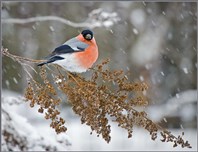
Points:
[(137, 17), (141, 78), (17, 129), (51, 28), (135, 31), (162, 73), (163, 13), (15, 80), (185, 70)]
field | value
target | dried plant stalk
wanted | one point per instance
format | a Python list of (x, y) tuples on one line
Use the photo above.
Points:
[(45, 96), (104, 97)]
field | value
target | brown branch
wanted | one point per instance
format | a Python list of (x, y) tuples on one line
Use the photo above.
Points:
[(21, 61), (19, 58), (93, 101)]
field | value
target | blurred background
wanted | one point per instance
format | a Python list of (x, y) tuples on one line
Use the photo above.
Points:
[(155, 41)]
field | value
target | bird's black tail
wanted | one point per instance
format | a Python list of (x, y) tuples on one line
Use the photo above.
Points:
[(41, 64), (52, 59)]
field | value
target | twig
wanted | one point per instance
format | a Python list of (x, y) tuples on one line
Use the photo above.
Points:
[(20, 60), (44, 18), (15, 57), (73, 78), (96, 18)]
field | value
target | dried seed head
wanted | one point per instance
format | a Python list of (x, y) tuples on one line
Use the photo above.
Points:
[(106, 94)]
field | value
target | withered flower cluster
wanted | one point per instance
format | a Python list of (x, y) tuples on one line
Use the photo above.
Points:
[(45, 96), (106, 96)]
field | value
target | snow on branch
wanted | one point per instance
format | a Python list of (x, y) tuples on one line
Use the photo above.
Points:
[(97, 18)]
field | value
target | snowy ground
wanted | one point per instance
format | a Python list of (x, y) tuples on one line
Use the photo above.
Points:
[(21, 133), (80, 139)]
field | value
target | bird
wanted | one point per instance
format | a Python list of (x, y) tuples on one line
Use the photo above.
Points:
[(76, 55)]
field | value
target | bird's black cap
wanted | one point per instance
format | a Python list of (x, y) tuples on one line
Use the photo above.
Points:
[(87, 34)]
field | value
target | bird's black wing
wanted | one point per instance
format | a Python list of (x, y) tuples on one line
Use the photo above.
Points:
[(50, 60), (71, 46), (63, 49)]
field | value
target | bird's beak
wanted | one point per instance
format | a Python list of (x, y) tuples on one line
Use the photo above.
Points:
[(88, 36)]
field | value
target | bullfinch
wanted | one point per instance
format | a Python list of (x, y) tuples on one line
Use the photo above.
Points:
[(77, 54)]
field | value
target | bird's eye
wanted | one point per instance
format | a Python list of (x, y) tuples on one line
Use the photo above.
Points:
[(88, 37)]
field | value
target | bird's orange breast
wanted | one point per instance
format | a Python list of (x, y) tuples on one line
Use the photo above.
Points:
[(88, 57)]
